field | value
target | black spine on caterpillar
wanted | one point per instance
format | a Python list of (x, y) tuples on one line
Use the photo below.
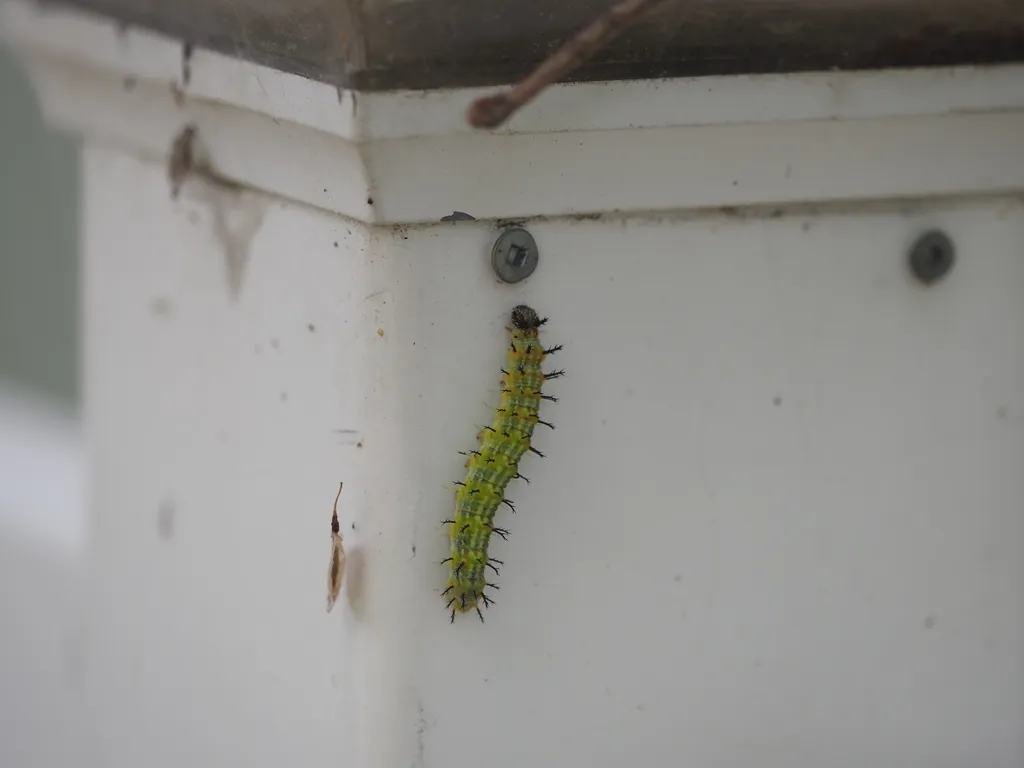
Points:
[(495, 463)]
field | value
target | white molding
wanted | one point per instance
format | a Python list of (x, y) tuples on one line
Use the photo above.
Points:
[(696, 167), (579, 149), (720, 100)]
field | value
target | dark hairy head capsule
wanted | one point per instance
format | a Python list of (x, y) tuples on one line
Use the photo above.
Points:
[(525, 318)]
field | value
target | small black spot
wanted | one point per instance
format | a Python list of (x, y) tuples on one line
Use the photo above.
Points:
[(165, 520), (161, 305), (369, 201), (186, 63), (776, 400), (335, 243), (311, 328)]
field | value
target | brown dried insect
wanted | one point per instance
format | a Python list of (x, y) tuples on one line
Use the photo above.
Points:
[(336, 572)]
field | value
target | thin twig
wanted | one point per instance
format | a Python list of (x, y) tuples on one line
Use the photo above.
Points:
[(492, 111)]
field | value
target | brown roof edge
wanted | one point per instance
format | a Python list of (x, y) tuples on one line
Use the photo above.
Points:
[(376, 45)]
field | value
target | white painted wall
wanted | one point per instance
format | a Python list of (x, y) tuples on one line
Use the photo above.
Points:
[(779, 523), (780, 519)]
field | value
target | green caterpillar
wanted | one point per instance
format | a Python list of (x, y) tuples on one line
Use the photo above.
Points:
[(495, 464)]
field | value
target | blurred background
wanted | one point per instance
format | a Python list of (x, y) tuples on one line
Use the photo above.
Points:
[(42, 482)]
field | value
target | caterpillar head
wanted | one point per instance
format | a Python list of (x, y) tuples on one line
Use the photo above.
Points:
[(525, 318)]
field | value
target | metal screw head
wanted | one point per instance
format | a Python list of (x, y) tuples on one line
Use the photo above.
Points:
[(514, 255), (932, 256)]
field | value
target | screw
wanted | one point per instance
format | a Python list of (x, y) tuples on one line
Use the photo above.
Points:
[(932, 256), (514, 255)]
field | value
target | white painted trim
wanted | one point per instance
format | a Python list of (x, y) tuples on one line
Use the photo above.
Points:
[(722, 100), (579, 149), (251, 148), (660, 169)]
